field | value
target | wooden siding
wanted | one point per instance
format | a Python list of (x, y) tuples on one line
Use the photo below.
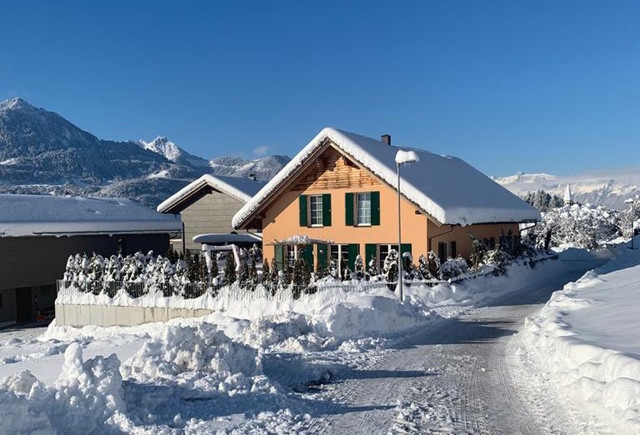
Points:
[(331, 170), (211, 213)]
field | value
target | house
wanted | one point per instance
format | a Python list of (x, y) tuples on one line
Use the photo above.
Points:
[(39, 232), (207, 205), (338, 198)]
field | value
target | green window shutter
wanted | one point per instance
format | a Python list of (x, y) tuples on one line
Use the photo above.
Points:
[(405, 247), (322, 254), (375, 208), (307, 254), (370, 252), (279, 257), (354, 250), (326, 209), (303, 210), (348, 207)]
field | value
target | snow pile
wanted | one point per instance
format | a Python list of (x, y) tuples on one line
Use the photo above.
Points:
[(586, 337), (86, 398), (199, 356)]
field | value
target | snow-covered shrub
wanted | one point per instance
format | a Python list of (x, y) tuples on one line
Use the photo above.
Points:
[(230, 269), (408, 267), (372, 268), (358, 268), (582, 226), (453, 268), (390, 266)]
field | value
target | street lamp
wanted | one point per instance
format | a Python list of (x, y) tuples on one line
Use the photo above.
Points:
[(402, 157)]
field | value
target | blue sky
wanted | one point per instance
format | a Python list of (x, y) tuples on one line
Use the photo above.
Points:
[(506, 85)]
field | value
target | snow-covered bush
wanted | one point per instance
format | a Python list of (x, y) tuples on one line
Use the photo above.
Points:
[(453, 267), (390, 266), (581, 226)]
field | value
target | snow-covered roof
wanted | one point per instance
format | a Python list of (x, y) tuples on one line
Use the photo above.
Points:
[(447, 188), (242, 189), (40, 215), (217, 238)]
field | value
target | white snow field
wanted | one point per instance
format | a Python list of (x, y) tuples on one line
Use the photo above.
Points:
[(583, 347), (334, 362)]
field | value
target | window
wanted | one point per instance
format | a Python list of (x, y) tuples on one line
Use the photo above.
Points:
[(454, 249), (315, 210), (442, 251), (315, 207), (363, 210)]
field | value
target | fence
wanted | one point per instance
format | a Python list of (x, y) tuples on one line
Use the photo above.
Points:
[(187, 291)]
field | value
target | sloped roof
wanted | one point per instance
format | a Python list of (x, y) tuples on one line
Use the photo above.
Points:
[(446, 188), (39, 215), (241, 189)]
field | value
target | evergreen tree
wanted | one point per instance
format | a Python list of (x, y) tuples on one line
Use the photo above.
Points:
[(243, 275), (478, 252), (423, 268), (321, 272), (266, 273), (390, 268), (214, 267), (373, 270), (274, 279), (230, 268), (298, 277), (358, 268), (253, 275)]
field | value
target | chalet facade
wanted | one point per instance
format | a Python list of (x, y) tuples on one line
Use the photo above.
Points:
[(38, 233), (206, 207), (338, 198)]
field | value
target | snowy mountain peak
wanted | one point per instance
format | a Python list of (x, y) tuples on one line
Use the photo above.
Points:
[(163, 146), (172, 152), (15, 104)]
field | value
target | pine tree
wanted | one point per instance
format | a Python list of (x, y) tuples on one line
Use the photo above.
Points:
[(298, 277), (358, 268), (230, 269), (214, 267), (253, 275), (243, 275), (274, 279), (321, 272), (266, 273), (423, 268), (373, 270), (390, 268)]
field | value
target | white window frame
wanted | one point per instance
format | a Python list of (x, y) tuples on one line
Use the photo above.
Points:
[(358, 195), (317, 200)]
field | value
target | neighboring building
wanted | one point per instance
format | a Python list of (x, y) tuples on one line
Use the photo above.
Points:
[(39, 232), (207, 205), (568, 197), (337, 198)]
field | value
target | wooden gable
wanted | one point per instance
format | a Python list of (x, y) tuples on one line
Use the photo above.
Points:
[(332, 170)]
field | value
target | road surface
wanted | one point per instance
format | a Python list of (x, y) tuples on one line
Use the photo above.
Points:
[(451, 379)]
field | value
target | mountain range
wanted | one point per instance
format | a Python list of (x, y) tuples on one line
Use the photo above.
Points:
[(43, 153), (609, 188)]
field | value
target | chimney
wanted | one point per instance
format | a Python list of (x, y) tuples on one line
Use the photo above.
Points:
[(386, 138), (252, 176)]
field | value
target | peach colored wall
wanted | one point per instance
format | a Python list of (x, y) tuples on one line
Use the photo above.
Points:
[(461, 235), (282, 220)]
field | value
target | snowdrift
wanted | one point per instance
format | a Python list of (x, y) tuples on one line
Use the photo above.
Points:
[(586, 337)]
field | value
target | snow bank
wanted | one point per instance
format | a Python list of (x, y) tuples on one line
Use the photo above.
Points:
[(86, 398), (586, 337)]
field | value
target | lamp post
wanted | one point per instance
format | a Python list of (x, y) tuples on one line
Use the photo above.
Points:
[(402, 157)]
